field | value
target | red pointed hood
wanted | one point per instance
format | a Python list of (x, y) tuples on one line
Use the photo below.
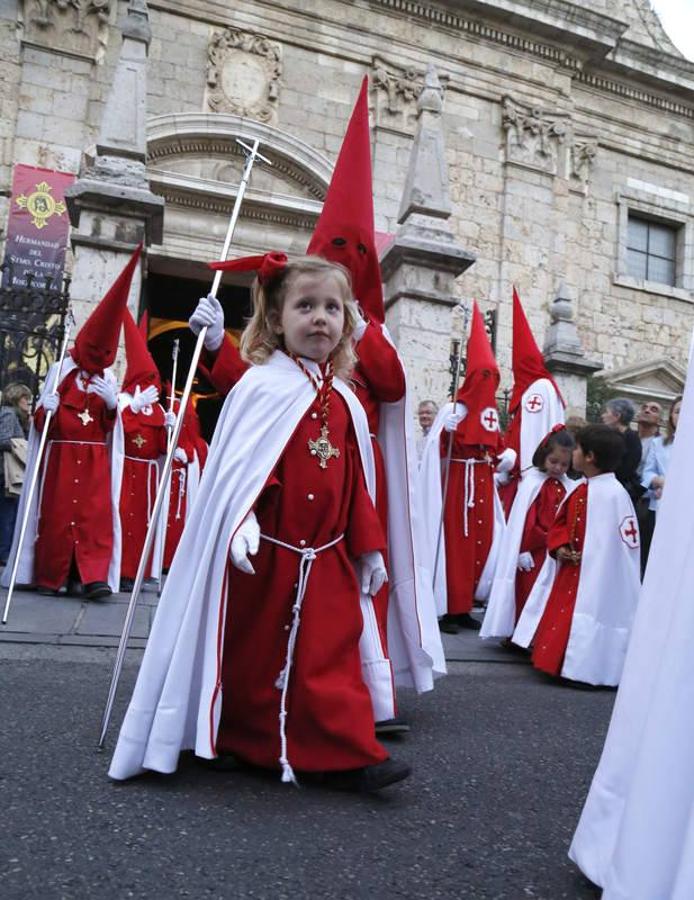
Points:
[(141, 370), (528, 362), (97, 341), (345, 230), (478, 391)]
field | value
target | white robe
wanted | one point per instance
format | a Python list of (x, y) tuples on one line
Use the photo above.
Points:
[(431, 492), (635, 836), (177, 701), (114, 442), (608, 589), (540, 410), (500, 617)]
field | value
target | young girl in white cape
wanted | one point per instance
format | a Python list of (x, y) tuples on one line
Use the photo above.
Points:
[(258, 660), (524, 544)]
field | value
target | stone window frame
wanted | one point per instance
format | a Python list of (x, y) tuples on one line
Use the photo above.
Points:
[(667, 208)]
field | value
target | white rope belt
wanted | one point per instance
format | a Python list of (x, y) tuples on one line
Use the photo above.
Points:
[(469, 486), (181, 489), (95, 443), (308, 556), (150, 463)]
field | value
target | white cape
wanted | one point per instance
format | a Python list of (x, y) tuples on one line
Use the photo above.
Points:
[(500, 617), (540, 410), (635, 837), (608, 589), (414, 639), (25, 571), (431, 492), (176, 704)]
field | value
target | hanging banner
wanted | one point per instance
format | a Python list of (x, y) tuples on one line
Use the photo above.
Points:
[(37, 227)]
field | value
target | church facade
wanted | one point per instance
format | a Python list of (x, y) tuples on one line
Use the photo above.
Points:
[(544, 144)]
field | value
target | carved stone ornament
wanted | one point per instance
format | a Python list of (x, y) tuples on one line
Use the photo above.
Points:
[(243, 74), (582, 155), (79, 27), (395, 91), (533, 137)]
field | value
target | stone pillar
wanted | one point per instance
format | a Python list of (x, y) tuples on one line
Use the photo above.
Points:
[(564, 354), (420, 266), (111, 205)]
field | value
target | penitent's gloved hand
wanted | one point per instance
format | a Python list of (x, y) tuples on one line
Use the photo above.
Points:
[(526, 561), (453, 419), (244, 543), (104, 389), (209, 313), (372, 572), (51, 402), (144, 398)]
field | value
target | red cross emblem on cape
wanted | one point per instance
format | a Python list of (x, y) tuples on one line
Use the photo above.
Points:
[(629, 531), (534, 403), (489, 418)]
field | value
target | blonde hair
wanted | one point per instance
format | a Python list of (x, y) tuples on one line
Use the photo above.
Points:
[(260, 340)]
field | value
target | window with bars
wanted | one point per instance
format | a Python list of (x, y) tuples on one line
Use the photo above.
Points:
[(651, 250)]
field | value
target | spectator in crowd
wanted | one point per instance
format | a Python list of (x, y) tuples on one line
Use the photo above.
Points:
[(648, 424), (619, 414), (14, 423), (654, 472), (426, 413)]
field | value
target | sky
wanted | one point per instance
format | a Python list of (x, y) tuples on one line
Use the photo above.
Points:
[(677, 17)]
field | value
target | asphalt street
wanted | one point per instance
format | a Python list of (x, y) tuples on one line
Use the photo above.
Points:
[(502, 760)]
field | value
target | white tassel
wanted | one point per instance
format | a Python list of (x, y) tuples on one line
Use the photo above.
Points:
[(281, 680)]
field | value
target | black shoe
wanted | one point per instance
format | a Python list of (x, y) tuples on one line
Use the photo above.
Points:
[(126, 585), (95, 590), (387, 727), (465, 620), (46, 591), (73, 588), (225, 762), (448, 625), (370, 778)]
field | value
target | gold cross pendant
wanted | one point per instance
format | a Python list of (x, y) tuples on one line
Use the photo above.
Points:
[(139, 441), (322, 448), (85, 417)]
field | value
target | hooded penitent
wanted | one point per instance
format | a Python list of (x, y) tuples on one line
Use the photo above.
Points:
[(528, 362), (97, 341), (478, 391), (141, 370), (345, 230)]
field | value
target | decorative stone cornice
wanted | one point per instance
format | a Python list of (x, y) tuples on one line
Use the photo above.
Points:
[(600, 82)]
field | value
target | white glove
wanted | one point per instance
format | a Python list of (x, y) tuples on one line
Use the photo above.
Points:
[(507, 461), (51, 402), (501, 478), (453, 419), (246, 541), (144, 398), (209, 313), (359, 328), (169, 420), (372, 572), (104, 389), (526, 561), (180, 455)]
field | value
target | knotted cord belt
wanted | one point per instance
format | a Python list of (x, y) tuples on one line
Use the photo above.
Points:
[(308, 556), (469, 486), (151, 463)]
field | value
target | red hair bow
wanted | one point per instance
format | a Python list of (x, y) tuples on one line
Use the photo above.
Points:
[(554, 430), (268, 266)]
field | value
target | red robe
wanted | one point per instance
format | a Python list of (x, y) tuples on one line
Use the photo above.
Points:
[(330, 723), (76, 517), (538, 521), (178, 503), (144, 442), (466, 555), (552, 635), (225, 367), (378, 378)]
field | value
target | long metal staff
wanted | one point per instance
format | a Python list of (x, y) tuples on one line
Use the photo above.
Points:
[(251, 156), (37, 467), (456, 359), (165, 526)]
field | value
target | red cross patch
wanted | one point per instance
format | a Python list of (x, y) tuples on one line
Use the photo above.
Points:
[(489, 418), (629, 531), (534, 403)]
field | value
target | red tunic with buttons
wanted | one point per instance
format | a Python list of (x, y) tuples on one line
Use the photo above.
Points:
[(378, 378), (144, 442), (466, 554), (538, 521), (552, 635), (75, 517), (330, 723), (178, 504), (225, 367)]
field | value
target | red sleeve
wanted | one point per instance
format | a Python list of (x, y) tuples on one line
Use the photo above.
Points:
[(108, 418), (380, 366), (558, 535), (202, 449), (226, 367), (39, 418), (534, 535), (364, 533)]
